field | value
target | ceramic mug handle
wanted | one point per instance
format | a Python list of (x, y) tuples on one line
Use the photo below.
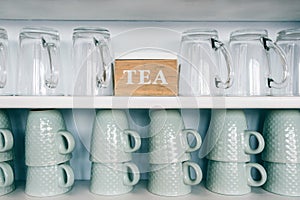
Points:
[(8, 140), (136, 174), (8, 174), (66, 148), (262, 171), (67, 181), (260, 139), (196, 136), (198, 172), (137, 141)]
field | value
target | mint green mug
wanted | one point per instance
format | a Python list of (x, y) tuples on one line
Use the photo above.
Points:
[(233, 178), (6, 178), (113, 178), (173, 179), (282, 135), (283, 178), (6, 138), (230, 137)]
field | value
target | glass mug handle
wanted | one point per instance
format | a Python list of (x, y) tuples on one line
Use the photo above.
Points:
[(102, 78), (218, 45), (51, 78), (3, 65), (271, 82)]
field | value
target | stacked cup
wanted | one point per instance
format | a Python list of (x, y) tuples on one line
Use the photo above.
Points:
[(282, 153), (6, 155), (111, 147), (229, 170), (169, 155), (48, 148)]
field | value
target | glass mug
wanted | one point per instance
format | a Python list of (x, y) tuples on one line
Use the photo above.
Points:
[(250, 50), (200, 64), (93, 62), (289, 41), (39, 70), (3, 60)]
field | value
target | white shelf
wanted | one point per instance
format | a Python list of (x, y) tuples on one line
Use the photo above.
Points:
[(147, 102), (174, 10), (81, 191)]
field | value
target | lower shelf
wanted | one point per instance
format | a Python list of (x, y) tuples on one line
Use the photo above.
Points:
[(81, 191)]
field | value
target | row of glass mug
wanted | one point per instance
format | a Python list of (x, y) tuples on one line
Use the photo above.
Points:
[(255, 65)]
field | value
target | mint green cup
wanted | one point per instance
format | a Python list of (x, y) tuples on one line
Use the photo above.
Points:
[(232, 178), (111, 136), (46, 181), (173, 179), (46, 140), (169, 140), (282, 136), (283, 178), (6, 178), (113, 178), (230, 138)]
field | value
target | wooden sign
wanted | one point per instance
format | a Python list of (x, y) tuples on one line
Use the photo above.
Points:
[(146, 77)]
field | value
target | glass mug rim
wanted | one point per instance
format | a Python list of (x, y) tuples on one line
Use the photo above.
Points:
[(37, 32), (248, 34), (289, 34), (199, 34), (88, 32), (3, 33)]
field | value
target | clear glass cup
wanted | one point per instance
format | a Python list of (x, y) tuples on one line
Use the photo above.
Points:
[(3, 61), (250, 50), (93, 62), (289, 41), (200, 64), (39, 71)]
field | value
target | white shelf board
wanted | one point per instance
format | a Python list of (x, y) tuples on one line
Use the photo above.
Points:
[(147, 102), (81, 191), (174, 10)]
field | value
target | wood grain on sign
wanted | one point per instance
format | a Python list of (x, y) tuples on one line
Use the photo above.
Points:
[(146, 77)]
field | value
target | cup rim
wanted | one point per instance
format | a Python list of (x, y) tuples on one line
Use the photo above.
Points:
[(248, 34), (90, 32), (37, 32), (199, 34), (3, 33), (289, 34)]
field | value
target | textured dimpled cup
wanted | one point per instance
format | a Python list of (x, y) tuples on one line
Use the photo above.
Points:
[(229, 137), (6, 178), (233, 178), (283, 178), (282, 136), (6, 139), (46, 140), (113, 178), (169, 140), (111, 138), (173, 179), (49, 181)]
